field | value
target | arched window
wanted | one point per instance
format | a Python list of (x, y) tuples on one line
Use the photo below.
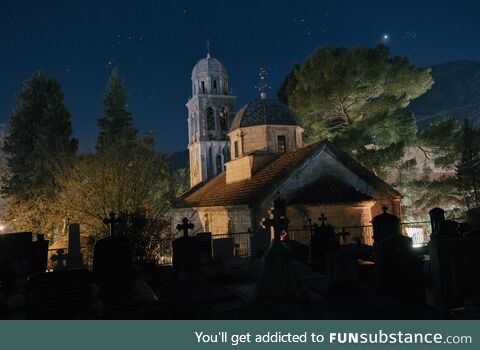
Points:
[(220, 165), (203, 87), (210, 118), (224, 118), (214, 87)]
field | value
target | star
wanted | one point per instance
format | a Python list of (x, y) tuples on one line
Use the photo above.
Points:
[(386, 36)]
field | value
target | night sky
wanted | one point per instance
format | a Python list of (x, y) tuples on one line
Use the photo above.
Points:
[(155, 44)]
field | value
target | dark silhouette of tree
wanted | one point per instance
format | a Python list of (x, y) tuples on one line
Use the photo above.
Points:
[(468, 168), (39, 138), (117, 124)]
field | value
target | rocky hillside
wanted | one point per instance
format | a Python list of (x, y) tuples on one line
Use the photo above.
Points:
[(456, 93)]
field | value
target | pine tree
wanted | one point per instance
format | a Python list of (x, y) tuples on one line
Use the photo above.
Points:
[(117, 125), (468, 168), (357, 97), (39, 140)]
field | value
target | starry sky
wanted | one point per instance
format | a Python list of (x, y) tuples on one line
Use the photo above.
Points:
[(155, 44)]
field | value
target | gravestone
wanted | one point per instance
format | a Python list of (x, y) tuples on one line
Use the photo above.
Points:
[(297, 250), (455, 272), (59, 295), (59, 260), (323, 241), (474, 218), (223, 248), (385, 225), (342, 271), (113, 264), (14, 248), (185, 251), (75, 258), (204, 247), (442, 228), (399, 269), (277, 277), (259, 242), (39, 257)]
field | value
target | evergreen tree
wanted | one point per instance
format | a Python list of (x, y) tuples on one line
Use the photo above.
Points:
[(356, 97), (117, 125), (39, 139), (468, 168)]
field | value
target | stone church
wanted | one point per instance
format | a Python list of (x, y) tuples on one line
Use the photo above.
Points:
[(240, 161)]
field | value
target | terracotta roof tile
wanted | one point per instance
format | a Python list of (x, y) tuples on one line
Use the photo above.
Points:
[(218, 193)]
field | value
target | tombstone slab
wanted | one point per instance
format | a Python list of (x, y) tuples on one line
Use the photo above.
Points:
[(113, 267), (59, 295), (75, 258), (385, 225)]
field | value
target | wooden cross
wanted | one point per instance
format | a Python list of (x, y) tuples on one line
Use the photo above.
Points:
[(323, 218), (111, 220), (185, 226)]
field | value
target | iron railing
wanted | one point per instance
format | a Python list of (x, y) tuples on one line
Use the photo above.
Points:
[(419, 232)]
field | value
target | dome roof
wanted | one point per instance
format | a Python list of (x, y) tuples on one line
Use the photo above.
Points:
[(263, 112), (208, 65)]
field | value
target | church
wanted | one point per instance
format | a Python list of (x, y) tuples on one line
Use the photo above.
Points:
[(239, 162)]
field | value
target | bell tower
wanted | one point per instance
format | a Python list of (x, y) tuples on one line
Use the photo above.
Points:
[(210, 112)]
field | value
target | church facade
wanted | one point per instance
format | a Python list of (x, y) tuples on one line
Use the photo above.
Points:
[(238, 166)]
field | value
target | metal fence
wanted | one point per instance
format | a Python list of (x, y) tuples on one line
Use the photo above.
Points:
[(419, 232)]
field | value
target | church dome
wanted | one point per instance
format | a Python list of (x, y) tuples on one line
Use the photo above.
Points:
[(264, 112), (208, 65)]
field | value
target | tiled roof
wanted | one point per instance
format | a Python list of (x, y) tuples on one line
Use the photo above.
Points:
[(218, 193), (329, 190), (263, 112)]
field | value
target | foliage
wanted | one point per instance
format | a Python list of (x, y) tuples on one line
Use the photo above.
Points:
[(423, 195), (39, 139), (468, 168), (121, 178), (117, 125), (38, 143), (150, 235), (439, 141), (357, 98)]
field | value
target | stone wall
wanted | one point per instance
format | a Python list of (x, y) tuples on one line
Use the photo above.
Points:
[(338, 216), (264, 138), (320, 164), (217, 220)]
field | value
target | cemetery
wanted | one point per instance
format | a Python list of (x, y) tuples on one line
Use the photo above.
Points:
[(323, 277), (333, 198)]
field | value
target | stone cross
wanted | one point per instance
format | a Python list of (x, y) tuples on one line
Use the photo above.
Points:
[(59, 259), (112, 220), (277, 218), (185, 226), (384, 209), (323, 218)]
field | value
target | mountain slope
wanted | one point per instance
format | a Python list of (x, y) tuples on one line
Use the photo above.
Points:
[(456, 93)]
